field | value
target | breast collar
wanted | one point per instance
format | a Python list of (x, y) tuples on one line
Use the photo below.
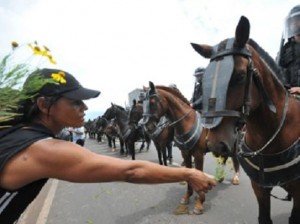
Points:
[(275, 169), (188, 140)]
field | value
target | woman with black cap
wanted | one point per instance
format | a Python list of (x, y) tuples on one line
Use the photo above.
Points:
[(30, 153)]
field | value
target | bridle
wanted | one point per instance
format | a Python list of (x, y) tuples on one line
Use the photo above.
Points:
[(252, 76), (151, 110), (186, 141)]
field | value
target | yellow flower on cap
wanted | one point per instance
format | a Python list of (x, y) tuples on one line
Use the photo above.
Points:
[(59, 77)]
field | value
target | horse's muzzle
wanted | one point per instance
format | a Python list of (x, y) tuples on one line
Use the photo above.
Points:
[(219, 149)]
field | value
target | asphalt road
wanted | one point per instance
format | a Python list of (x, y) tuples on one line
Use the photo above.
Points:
[(62, 202)]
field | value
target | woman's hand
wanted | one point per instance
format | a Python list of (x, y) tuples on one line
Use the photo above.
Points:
[(200, 181)]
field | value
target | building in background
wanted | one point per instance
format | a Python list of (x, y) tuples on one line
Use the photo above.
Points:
[(134, 94)]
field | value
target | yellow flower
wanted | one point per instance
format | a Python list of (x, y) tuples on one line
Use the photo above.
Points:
[(38, 51), (14, 44), (51, 59), (46, 48), (59, 77)]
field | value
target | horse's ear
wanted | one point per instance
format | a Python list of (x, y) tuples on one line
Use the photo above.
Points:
[(152, 87), (242, 32), (203, 50)]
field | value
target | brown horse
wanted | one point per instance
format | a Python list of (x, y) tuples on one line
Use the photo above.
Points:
[(162, 136), (243, 82), (189, 135)]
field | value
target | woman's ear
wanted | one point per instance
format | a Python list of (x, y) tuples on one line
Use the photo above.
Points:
[(43, 104)]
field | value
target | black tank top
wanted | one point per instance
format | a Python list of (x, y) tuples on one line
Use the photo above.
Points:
[(12, 141)]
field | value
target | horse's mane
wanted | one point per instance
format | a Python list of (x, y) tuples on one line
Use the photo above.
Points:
[(269, 61), (120, 107), (175, 92)]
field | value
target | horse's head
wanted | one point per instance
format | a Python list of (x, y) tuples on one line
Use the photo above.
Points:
[(101, 123), (153, 109), (112, 111), (232, 87)]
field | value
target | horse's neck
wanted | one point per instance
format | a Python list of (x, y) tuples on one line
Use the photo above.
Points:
[(279, 128), (176, 107), (122, 119), (181, 115)]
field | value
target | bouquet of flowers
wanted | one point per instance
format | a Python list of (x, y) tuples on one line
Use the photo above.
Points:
[(13, 74)]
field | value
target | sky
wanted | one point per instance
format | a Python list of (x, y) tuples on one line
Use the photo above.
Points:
[(116, 46)]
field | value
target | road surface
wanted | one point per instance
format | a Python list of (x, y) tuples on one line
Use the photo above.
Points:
[(62, 202)]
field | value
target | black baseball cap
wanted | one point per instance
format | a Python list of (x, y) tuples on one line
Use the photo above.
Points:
[(64, 84)]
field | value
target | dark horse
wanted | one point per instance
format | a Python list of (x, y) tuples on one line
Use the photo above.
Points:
[(129, 132), (243, 82), (104, 127), (162, 136), (100, 124), (189, 134)]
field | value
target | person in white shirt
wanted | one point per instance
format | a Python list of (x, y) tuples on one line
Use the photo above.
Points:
[(78, 136)]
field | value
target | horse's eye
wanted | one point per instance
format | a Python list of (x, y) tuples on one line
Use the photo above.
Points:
[(238, 79)]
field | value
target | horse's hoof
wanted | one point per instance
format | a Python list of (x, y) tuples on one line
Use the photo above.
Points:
[(198, 208), (198, 211), (235, 180), (182, 210)]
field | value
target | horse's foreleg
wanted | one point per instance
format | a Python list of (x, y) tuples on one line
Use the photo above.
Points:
[(159, 152), (236, 166), (142, 145), (164, 152), (169, 148), (295, 216), (148, 144), (114, 142), (293, 191), (200, 198), (109, 141), (121, 147), (188, 163), (131, 147), (162, 157), (264, 203)]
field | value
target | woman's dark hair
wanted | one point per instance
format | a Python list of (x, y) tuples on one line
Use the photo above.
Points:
[(28, 110)]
